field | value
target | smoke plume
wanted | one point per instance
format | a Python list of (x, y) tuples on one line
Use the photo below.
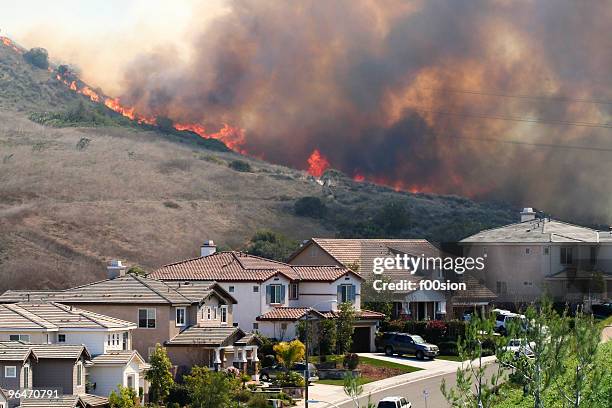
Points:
[(488, 99)]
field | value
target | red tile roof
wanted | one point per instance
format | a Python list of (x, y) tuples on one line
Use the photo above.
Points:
[(239, 266), (295, 313)]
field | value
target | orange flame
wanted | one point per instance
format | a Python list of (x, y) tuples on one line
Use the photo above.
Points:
[(7, 42), (359, 177), (317, 163), (233, 137)]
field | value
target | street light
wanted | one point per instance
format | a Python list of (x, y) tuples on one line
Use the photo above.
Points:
[(307, 318)]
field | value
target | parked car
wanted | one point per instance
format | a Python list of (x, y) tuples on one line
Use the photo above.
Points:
[(394, 402), (402, 343), (519, 347), (503, 318), (602, 310), (270, 373)]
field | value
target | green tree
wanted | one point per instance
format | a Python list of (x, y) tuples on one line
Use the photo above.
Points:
[(392, 218), (271, 245), (39, 57), (472, 388), (353, 388), (288, 353), (137, 270), (125, 398), (345, 327), (210, 389), (310, 207), (159, 375)]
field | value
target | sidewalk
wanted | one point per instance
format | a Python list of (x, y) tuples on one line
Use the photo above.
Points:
[(335, 394)]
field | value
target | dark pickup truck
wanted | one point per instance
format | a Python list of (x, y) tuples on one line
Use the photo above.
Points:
[(402, 343)]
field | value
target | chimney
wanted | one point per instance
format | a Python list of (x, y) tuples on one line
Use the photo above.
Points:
[(115, 269), (528, 214), (208, 248)]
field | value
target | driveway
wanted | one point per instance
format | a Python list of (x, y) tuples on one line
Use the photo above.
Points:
[(436, 365)]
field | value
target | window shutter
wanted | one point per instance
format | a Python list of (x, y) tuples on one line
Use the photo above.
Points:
[(339, 294), (352, 293), (268, 294), (282, 294)]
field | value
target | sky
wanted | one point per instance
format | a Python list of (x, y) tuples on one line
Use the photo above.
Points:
[(79, 32)]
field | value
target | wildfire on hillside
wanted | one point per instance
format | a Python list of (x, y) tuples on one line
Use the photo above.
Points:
[(8, 43), (317, 163)]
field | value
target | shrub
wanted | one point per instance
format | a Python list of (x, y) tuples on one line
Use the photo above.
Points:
[(310, 207), (271, 245), (435, 330), (289, 379), (240, 165), (39, 57), (243, 395), (258, 401), (268, 361), (456, 328), (178, 395), (448, 348), (350, 361)]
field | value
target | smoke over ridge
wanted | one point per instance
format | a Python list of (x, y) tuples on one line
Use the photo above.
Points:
[(418, 95)]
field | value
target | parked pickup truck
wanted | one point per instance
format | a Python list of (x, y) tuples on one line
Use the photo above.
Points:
[(402, 343)]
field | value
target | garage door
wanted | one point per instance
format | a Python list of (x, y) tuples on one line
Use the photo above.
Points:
[(361, 340)]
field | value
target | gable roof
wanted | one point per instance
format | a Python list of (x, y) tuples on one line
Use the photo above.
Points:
[(122, 357), (535, 231), (207, 336), (15, 351), (63, 401), (296, 313), (346, 251), (52, 316), (125, 289), (239, 266), (60, 351)]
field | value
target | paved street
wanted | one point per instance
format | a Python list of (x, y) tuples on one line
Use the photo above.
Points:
[(409, 385)]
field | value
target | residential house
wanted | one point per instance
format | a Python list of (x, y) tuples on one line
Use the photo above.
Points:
[(166, 313), (59, 366), (44, 323), (274, 294), (16, 370), (360, 255), (534, 256), (124, 367)]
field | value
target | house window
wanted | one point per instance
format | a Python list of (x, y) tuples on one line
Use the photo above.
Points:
[(61, 338), (230, 289), (223, 314), (255, 326), (26, 377), (283, 326), (256, 289), (126, 339), (180, 316), (20, 337), (566, 256), (546, 250), (10, 371), (214, 309), (527, 251), (293, 291), (79, 374), (208, 313), (146, 318), (593, 255), (346, 293), (275, 294), (502, 288)]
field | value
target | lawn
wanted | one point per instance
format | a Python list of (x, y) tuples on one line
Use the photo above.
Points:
[(448, 358), (373, 369)]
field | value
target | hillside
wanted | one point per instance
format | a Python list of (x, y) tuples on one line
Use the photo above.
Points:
[(73, 197)]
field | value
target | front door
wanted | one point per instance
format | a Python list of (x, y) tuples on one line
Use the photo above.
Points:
[(421, 310)]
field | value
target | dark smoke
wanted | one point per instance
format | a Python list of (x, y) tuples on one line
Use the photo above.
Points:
[(359, 81)]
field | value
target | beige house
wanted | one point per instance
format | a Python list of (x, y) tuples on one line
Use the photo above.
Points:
[(360, 254), (162, 313), (526, 259)]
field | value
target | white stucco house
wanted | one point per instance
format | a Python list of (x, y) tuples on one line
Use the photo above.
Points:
[(273, 295)]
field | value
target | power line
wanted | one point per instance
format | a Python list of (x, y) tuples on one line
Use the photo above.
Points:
[(519, 119), (519, 96), (518, 142)]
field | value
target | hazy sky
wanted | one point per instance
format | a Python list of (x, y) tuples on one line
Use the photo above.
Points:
[(101, 36)]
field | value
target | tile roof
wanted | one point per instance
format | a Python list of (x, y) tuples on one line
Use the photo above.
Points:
[(52, 316), (207, 336), (63, 401), (60, 351), (535, 231), (122, 357), (362, 252), (125, 289), (15, 351), (93, 400), (475, 291), (239, 266), (296, 313)]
